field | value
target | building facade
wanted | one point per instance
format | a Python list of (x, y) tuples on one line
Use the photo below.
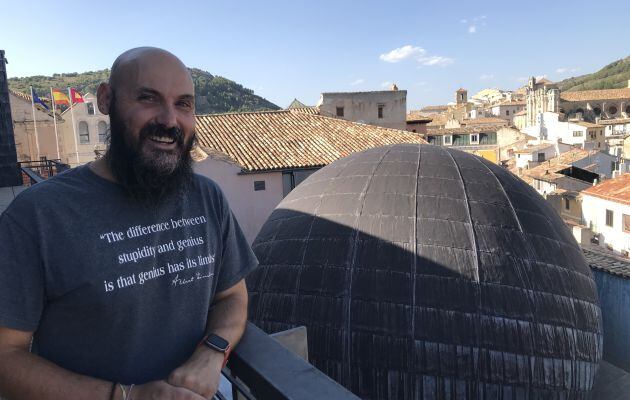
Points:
[(606, 209), (89, 135), (386, 108)]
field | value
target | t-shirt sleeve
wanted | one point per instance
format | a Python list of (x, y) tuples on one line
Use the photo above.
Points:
[(237, 257), (21, 277)]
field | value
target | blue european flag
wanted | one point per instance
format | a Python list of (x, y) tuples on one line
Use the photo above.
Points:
[(36, 99)]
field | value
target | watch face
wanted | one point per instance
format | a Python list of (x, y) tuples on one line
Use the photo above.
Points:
[(217, 342)]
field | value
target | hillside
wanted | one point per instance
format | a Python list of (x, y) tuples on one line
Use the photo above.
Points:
[(612, 76), (215, 94)]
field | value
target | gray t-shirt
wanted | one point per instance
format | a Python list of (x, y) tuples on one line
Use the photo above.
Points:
[(110, 289)]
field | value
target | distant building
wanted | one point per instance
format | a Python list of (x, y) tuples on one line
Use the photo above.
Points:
[(572, 171), (606, 209), (432, 110), (386, 108), (591, 105), (91, 128), (507, 110), (616, 134), (532, 156), (417, 123), (26, 143), (259, 157), (587, 135), (492, 142), (520, 120)]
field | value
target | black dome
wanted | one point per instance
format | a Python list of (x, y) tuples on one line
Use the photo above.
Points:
[(426, 272)]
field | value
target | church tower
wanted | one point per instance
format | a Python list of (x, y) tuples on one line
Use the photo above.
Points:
[(461, 96)]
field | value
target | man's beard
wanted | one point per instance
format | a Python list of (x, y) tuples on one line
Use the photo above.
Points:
[(148, 176)]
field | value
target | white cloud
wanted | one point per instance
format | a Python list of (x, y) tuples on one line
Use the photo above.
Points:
[(386, 84), (357, 82), (539, 77), (463, 21), (472, 29), (402, 53), (565, 70), (436, 61), (486, 77), (417, 53)]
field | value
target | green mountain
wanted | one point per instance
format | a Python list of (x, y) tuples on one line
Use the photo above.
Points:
[(215, 94), (612, 76)]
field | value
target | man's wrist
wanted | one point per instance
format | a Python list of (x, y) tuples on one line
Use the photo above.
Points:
[(217, 345)]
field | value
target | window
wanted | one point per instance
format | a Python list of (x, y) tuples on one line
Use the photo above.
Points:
[(381, 107), (259, 185), (609, 218), (612, 110), (447, 139), (597, 110), (84, 133), (90, 108), (626, 223), (102, 131), (577, 133), (507, 112), (474, 138), (340, 111), (541, 157), (567, 204), (290, 179)]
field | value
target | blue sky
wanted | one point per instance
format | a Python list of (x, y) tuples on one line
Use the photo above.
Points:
[(297, 49)]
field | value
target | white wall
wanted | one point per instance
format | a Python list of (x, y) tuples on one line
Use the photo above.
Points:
[(559, 130), (251, 208), (594, 214)]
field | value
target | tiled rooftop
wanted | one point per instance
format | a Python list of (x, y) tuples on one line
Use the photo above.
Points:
[(485, 121), (603, 94), (615, 189), (276, 140), (606, 262)]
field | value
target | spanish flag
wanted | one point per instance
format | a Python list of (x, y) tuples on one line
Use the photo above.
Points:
[(60, 97), (76, 96)]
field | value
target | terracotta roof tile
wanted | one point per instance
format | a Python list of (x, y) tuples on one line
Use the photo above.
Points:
[(604, 94), (615, 189), (275, 140), (547, 170), (485, 121)]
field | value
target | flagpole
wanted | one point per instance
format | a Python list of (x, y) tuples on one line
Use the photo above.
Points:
[(52, 96), (35, 122), (74, 129)]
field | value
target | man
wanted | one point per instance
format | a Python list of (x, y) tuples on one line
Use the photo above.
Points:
[(118, 271)]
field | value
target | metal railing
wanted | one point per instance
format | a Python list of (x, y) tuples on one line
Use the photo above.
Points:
[(262, 368), (37, 171)]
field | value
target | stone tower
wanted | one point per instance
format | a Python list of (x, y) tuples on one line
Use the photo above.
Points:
[(9, 172), (461, 96)]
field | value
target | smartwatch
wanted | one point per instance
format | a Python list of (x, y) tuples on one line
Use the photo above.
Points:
[(217, 343)]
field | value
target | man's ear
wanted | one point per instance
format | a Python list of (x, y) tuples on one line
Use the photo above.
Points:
[(104, 97)]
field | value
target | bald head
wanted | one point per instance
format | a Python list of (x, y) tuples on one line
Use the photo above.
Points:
[(132, 63)]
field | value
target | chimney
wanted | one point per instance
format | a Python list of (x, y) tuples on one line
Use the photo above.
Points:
[(595, 181)]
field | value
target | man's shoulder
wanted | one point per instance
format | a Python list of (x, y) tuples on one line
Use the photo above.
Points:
[(54, 190)]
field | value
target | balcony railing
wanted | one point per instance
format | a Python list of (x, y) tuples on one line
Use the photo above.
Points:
[(37, 171), (262, 368)]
